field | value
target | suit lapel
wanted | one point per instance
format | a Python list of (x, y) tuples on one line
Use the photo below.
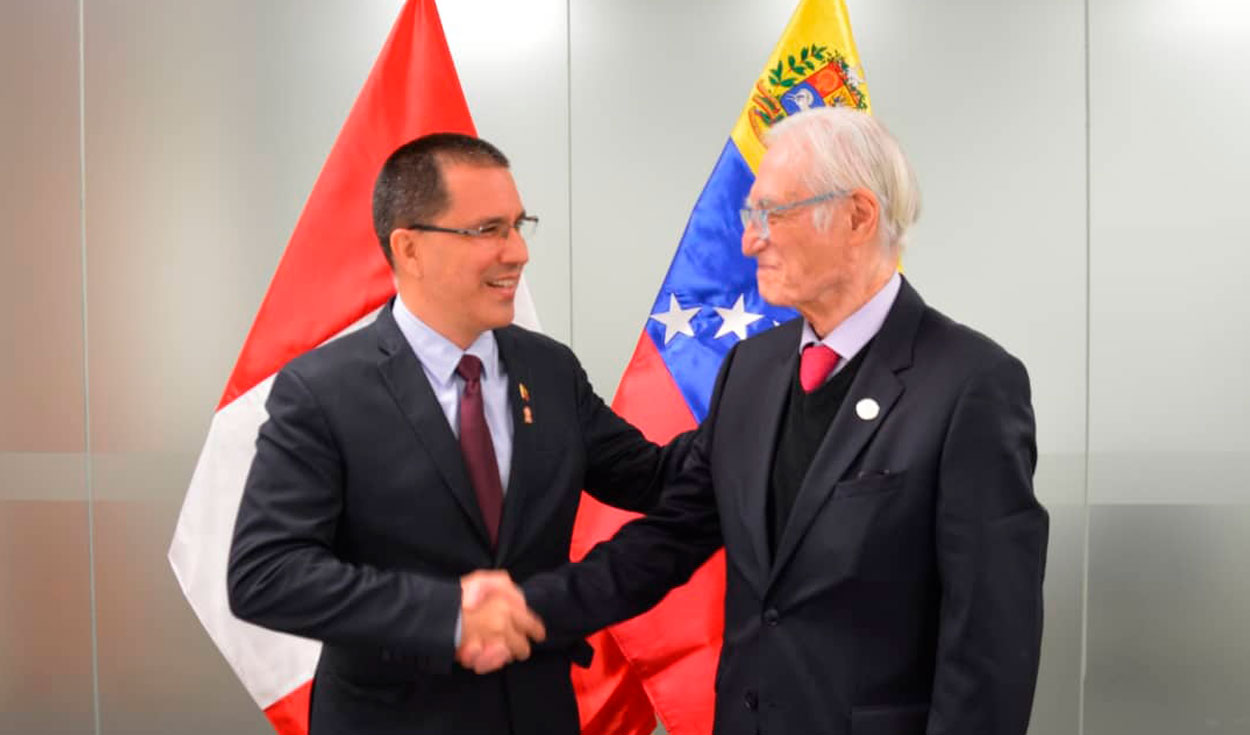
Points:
[(526, 454), (405, 378), (889, 353), (771, 382), (848, 434)]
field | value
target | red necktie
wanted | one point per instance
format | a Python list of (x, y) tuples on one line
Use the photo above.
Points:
[(476, 446), (815, 364)]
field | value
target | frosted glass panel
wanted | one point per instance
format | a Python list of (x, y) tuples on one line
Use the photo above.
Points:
[(41, 368), (512, 59), (207, 125), (1169, 403), (45, 605), (1168, 603)]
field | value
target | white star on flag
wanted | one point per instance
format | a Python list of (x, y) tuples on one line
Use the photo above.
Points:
[(676, 320), (736, 320)]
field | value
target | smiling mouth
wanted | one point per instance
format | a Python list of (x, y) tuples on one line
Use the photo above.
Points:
[(504, 283)]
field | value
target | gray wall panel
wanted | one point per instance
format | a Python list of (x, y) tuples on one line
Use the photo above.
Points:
[(45, 603), (646, 130), (158, 671), (41, 369), (45, 617), (1000, 244), (1169, 406), (1169, 437), (1168, 604), (512, 60), (1055, 703), (206, 126)]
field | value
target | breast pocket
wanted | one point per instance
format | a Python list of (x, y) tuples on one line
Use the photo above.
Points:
[(870, 483)]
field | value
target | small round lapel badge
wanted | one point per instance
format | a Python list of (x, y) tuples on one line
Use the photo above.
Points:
[(867, 409)]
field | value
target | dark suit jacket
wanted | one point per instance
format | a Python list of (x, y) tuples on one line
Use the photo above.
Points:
[(358, 518), (905, 596)]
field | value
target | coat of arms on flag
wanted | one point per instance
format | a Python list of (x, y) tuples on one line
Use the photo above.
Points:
[(813, 77)]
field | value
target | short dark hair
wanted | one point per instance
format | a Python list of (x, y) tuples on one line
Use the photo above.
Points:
[(410, 187)]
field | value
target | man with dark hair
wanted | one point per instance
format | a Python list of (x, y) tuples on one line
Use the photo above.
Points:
[(437, 441), (410, 187)]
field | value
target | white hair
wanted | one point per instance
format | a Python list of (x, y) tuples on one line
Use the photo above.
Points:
[(850, 149)]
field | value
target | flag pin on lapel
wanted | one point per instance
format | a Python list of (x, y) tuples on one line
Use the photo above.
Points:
[(527, 415), (867, 409)]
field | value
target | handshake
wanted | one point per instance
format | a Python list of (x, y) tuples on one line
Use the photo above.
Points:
[(496, 626)]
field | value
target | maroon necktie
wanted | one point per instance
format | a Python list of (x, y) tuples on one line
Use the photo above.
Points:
[(477, 448), (815, 364)]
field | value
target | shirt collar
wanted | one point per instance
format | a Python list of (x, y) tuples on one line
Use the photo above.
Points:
[(439, 355), (855, 331)]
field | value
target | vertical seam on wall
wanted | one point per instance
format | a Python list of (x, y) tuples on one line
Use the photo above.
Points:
[(86, 373), (568, 94), (1086, 515)]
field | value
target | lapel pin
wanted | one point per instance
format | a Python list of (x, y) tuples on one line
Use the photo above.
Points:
[(525, 394), (867, 409), (527, 414)]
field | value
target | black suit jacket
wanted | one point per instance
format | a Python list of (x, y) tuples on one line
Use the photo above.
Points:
[(905, 595), (358, 518)]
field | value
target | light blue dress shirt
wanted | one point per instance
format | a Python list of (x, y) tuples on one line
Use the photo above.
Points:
[(439, 357), (855, 331)]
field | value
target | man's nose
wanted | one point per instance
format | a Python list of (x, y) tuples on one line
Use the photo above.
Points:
[(515, 249), (753, 240)]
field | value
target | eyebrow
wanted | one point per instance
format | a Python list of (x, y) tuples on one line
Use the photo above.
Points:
[(491, 222), (499, 220)]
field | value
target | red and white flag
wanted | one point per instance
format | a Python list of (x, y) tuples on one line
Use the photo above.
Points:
[(331, 279)]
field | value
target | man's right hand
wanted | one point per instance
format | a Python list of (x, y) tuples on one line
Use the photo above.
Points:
[(496, 626)]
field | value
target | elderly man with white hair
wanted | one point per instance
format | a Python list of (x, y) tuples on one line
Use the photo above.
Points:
[(867, 468)]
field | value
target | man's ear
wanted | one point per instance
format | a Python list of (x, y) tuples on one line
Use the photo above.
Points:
[(404, 251), (865, 215)]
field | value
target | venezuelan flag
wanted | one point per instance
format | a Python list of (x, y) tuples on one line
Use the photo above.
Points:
[(707, 302)]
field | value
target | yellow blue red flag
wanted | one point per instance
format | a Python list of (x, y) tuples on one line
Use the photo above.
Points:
[(707, 302)]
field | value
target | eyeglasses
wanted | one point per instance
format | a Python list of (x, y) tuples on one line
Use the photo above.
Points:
[(524, 226), (760, 217)]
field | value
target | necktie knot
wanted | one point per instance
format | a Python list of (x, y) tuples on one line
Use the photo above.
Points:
[(470, 368), (815, 365)]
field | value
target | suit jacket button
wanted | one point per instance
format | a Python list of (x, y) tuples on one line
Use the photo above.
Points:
[(771, 616), (751, 700)]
